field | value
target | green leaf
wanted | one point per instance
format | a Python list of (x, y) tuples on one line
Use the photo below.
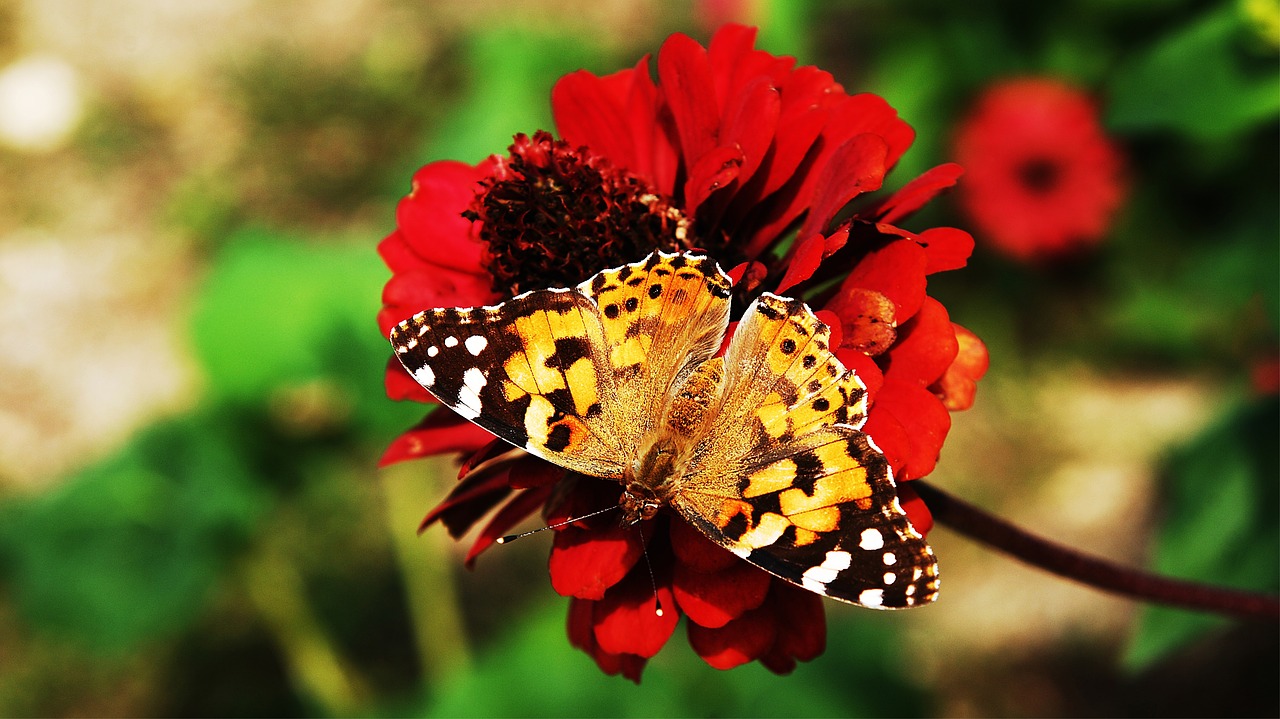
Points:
[(1200, 81), (1221, 525), (127, 550)]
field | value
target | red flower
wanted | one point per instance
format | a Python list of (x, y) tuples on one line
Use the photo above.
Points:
[(736, 152), (1043, 177)]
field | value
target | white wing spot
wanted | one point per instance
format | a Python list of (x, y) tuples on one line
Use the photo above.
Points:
[(871, 597), (890, 577), (432, 351), (451, 341), (473, 380), (425, 375), (413, 342), (890, 558), (422, 330), (475, 345), (911, 589), (871, 539), (817, 578), (916, 574), (401, 349)]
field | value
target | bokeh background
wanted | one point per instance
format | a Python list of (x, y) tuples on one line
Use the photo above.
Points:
[(191, 408)]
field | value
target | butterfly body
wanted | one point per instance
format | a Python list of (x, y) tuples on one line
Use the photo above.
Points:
[(760, 448)]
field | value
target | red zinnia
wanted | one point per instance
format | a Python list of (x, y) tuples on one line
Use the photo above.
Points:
[(1042, 177), (743, 155)]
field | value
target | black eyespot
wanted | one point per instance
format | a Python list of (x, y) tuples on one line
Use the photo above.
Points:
[(655, 291), (788, 346), (821, 404), (810, 361), (632, 303), (611, 311)]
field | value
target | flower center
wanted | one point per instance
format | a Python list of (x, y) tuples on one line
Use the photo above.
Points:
[(1040, 176), (554, 216)]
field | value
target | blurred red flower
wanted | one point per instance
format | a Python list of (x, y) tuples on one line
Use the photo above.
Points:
[(736, 152), (1043, 178)]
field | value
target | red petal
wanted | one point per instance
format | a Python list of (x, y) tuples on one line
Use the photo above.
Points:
[(533, 472), (712, 171), (495, 452), (896, 271), (925, 348), (918, 192), (440, 432), (857, 166), (398, 254), (653, 131), (713, 599), (804, 261), (743, 640), (626, 620), (917, 511), (401, 385), (802, 627), (511, 514), (585, 496), (947, 248), (924, 419), (685, 75), (407, 293), (958, 386), (586, 562), (866, 112), (694, 550), (890, 437), (749, 124), (832, 321), (748, 275), (430, 216), (470, 500), (730, 44), (586, 113), (582, 635)]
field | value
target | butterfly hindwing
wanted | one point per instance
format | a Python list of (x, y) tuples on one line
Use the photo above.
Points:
[(823, 514), (531, 370), (785, 479)]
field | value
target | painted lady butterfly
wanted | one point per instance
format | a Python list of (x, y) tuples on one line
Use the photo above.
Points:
[(758, 448)]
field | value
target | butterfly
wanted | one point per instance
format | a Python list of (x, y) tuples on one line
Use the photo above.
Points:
[(759, 448)]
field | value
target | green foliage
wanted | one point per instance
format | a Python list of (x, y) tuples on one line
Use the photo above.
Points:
[(272, 312), (856, 677), (127, 550), (1202, 81), (509, 75), (1220, 525)]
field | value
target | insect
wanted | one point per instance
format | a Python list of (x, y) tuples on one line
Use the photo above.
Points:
[(759, 448)]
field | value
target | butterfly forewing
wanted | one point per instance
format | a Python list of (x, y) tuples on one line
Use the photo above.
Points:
[(531, 370)]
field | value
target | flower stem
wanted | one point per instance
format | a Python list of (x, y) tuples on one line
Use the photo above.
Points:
[(1093, 571)]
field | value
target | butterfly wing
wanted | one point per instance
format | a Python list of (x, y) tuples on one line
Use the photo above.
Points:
[(785, 479), (532, 370), (661, 318), (576, 377)]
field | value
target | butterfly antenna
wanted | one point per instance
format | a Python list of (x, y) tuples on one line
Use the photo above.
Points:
[(644, 549), (514, 537)]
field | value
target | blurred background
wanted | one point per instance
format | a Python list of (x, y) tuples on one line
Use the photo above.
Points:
[(191, 402)]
